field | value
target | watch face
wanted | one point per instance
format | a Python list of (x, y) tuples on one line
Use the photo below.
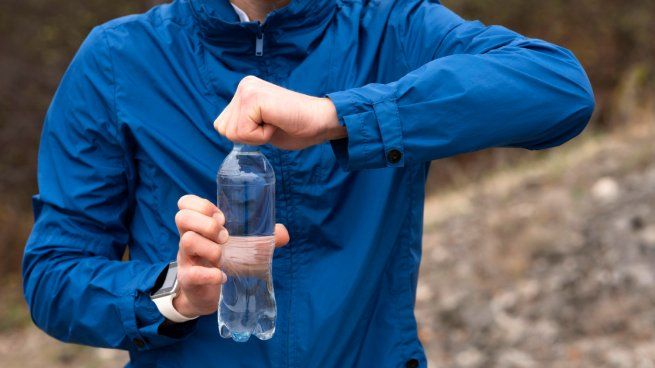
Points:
[(169, 283)]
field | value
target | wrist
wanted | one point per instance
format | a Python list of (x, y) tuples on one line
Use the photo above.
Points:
[(182, 306), (332, 129)]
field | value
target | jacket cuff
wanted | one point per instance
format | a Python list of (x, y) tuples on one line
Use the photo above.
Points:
[(142, 320), (375, 139)]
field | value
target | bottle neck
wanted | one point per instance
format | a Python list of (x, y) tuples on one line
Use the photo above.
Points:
[(238, 147)]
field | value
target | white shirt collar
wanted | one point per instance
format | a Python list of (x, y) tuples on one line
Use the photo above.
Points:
[(243, 17)]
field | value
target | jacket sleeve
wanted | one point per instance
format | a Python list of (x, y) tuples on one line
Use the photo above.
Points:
[(77, 288), (470, 87)]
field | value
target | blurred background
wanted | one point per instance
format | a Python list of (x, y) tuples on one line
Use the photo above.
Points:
[(531, 259)]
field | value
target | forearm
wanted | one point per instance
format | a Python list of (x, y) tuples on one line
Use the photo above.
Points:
[(92, 300), (485, 87)]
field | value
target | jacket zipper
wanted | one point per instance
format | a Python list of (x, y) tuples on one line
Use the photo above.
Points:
[(259, 41)]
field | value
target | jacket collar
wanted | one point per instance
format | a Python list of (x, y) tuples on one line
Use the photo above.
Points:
[(217, 18)]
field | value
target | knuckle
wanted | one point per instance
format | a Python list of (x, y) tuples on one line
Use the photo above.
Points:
[(180, 218), (207, 207), (248, 94), (187, 240), (183, 276), (207, 278), (248, 80), (248, 88), (218, 254), (213, 228), (220, 126), (201, 277), (193, 278)]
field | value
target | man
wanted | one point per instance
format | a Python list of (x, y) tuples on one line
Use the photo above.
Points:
[(351, 100)]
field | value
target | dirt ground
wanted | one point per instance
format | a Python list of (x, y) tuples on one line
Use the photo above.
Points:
[(549, 264)]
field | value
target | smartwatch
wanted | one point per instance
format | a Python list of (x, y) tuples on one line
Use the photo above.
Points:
[(163, 297)]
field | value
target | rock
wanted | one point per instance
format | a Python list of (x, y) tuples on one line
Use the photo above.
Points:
[(504, 300), (469, 358), (647, 235), (544, 332), (423, 292), (642, 275), (440, 255), (620, 358), (515, 359), (605, 189), (425, 334), (528, 289), (107, 354)]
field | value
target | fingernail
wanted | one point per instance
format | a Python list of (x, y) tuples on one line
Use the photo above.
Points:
[(222, 236), (224, 277)]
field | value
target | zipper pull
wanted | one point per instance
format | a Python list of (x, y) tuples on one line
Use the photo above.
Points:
[(259, 43)]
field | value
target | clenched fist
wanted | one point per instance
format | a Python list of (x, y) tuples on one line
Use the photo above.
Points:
[(261, 112), (200, 224)]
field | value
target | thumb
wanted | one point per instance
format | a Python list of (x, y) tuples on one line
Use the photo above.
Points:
[(281, 235)]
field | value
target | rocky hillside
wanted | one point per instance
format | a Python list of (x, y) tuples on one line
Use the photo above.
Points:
[(551, 264)]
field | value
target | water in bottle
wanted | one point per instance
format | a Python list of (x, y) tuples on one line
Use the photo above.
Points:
[(246, 195)]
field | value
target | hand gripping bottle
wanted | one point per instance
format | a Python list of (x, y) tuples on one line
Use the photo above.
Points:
[(246, 195)]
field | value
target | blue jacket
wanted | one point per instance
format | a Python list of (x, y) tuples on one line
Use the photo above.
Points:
[(130, 131)]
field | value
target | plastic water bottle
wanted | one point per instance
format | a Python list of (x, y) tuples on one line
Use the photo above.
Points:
[(246, 195)]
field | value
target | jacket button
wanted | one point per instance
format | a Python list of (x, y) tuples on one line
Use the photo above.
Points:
[(393, 156), (139, 343), (412, 363)]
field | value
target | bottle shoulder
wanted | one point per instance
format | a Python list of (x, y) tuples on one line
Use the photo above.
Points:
[(242, 167)]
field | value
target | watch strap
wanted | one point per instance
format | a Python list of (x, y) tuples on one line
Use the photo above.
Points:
[(166, 308)]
